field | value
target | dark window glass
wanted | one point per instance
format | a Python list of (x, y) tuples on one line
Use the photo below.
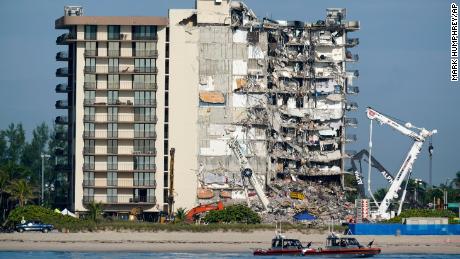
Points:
[(113, 32), (90, 32)]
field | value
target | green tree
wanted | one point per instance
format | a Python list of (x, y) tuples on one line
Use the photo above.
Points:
[(233, 214), (380, 194), (180, 215), (21, 191), (31, 155), (15, 139), (94, 210), (457, 180), (3, 186)]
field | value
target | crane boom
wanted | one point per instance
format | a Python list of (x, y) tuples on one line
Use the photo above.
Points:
[(406, 167), (246, 170)]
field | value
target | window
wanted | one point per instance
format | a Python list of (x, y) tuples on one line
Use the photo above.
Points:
[(144, 98), (144, 32), (113, 81), (166, 83), (88, 178), (144, 146), (144, 179), (90, 48), (112, 196), (146, 82), (113, 49), (166, 130), (113, 65), (90, 65), (166, 115), (112, 129), (146, 65), (165, 195), (144, 114), (144, 162), (89, 129), (112, 146), (167, 34), (89, 113), (89, 162), (144, 130), (113, 32), (90, 81), (88, 194), (144, 49), (112, 179), (112, 163), (90, 32), (89, 146), (112, 98)]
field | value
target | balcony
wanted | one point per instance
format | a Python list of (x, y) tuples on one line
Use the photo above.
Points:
[(144, 86), (62, 56), (59, 151), (62, 72), (88, 166), (351, 122), (138, 118), (63, 38), (145, 152), (147, 134), (90, 69), (89, 118), (119, 183), (352, 73), (89, 85), (90, 53), (120, 70), (113, 53), (61, 135), (62, 120), (145, 102), (62, 88), (351, 57), (113, 85), (352, 42), (144, 37), (352, 90), (62, 104), (145, 70), (89, 102), (351, 106), (120, 199), (351, 138), (145, 53)]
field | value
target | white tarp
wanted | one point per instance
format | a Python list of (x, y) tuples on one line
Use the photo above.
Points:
[(255, 52), (68, 213), (240, 36), (240, 67)]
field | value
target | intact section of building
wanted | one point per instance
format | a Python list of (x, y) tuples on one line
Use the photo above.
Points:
[(115, 68), (139, 86)]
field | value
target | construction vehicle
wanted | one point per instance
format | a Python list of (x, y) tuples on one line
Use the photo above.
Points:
[(358, 172), (406, 168), (171, 184), (247, 172), (203, 208), (297, 195)]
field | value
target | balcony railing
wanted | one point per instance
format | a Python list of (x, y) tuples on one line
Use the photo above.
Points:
[(90, 117), (145, 70), (351, 42), (144, 152), (149, 102), (113, 69), (112, 166), (113, 53), (89, 166), (119, 199), (62, 104), (89, 182), (91, 101), (146, 53), (351, 106), (90, 52), (144, 37), (90, 69), (61, 120), (62, 39), (130, 183), (352, 90), (144, 86), (89, 150), (113, 85), (145, 134), (351, 122), (62, 72), (89, 85), (62, 56), (62, 88), (89, 134), (138, 118)]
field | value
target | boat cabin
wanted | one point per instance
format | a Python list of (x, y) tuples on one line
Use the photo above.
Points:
[(279, 242), (341, 242)]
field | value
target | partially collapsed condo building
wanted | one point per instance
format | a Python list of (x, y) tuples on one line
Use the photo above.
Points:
[(194, 81)]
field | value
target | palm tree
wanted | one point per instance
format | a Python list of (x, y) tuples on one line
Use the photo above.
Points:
[(95, 210), (3, 185), (457, 180), (180, 215), (21, 191)]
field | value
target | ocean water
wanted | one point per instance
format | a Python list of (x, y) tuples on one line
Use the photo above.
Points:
[(124, 255)]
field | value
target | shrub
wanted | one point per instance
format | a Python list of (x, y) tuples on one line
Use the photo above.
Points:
[(34, 212), (233, 214), (422, 213)]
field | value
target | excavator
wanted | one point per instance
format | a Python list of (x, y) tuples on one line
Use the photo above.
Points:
[(358, 172), (190, 216), (419, 138)]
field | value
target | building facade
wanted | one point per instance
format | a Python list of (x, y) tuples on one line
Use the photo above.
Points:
[(138, 86)]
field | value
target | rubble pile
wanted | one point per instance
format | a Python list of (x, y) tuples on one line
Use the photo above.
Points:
[(323, 200)]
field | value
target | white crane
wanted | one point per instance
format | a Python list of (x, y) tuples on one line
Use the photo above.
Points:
[(406, 167), (247, 172)]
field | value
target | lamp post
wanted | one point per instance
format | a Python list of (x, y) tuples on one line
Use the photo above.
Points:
[(43, 156)]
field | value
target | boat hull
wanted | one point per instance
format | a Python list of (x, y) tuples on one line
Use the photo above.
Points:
[(345, 252)]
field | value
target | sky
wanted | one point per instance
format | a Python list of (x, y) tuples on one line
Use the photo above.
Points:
[(404, 67)]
